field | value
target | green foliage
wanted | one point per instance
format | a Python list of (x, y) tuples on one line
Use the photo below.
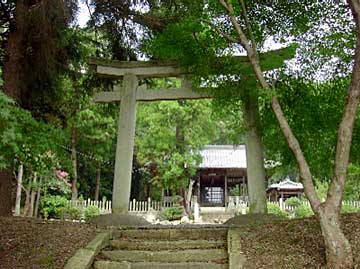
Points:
[(348, 208), (313, 111), (303, 211), (53, 206), (168, 138), (91, 211), (276, 210), (321, 188), (173, 213), (235, 191), (352, 185), (293, 201), (73, 212)]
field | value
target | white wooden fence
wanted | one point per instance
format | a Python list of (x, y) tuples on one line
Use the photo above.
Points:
[(104, 207), (134, 205), (238, 202), (144, 206), (235, 202), (284, 207)]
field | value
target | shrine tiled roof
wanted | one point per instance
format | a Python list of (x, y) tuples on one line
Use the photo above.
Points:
[(287, 184), (223, 156)]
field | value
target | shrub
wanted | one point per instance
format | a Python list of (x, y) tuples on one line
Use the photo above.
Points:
[(176, 199), (346, 208), (173, 213), (235, 191), (61, 213), (303, 211), (73, 212), (91, 211), (293, 201), (53, 206), (276, 210)]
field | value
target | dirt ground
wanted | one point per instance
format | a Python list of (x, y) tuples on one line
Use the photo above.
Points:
[(31, 243), (293, 243)]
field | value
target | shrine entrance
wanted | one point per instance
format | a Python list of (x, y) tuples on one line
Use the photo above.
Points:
[(128, 95), (130, 92)]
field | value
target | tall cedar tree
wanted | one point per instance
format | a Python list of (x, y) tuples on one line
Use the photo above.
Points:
[(35, 55)]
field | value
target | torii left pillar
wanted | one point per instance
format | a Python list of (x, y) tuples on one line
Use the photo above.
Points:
[(125, 145)]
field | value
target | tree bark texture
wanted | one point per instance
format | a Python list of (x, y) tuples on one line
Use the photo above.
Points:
[(189, 195), (74, 191), (32, 198), (38, 195), (338, 249), (254, 154), (97, 183), (18, 189), (27, 199), (14, 57), (5, 193)]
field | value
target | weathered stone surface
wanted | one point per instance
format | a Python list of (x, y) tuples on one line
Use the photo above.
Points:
[(112, 265), (121, 219), (196, 234), (154, 95), (99, 242), (82, 259), (193, 255), (181, 233), (125, 146), (160, 234), (236, 256), (167, 245), (154, 265)]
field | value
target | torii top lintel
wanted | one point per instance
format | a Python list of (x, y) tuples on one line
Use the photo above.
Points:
[(155, 69), (142, 69), (146, 69)]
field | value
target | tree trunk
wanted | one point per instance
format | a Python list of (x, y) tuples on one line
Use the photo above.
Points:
[(37, 200), (18, 189), (188, 196), (32, 199), (74, 191), (254, 154), (338, 248), (27, 199), (14, 57), (97, 184), (5, 193)]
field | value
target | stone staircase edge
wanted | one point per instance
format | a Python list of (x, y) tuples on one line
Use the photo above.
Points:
[(84, 257)]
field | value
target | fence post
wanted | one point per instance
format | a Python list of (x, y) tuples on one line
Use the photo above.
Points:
[(282, 204), (196, 211)]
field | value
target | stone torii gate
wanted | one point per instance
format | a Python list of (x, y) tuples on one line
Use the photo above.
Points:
[(128, 95), (131, 92)]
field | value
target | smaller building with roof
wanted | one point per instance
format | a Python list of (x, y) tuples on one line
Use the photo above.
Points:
[(285, 189)]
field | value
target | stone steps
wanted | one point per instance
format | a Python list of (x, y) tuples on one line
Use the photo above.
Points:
[(155, 265), (160, 248), (172, 234), (126, 244), (170, 256)]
